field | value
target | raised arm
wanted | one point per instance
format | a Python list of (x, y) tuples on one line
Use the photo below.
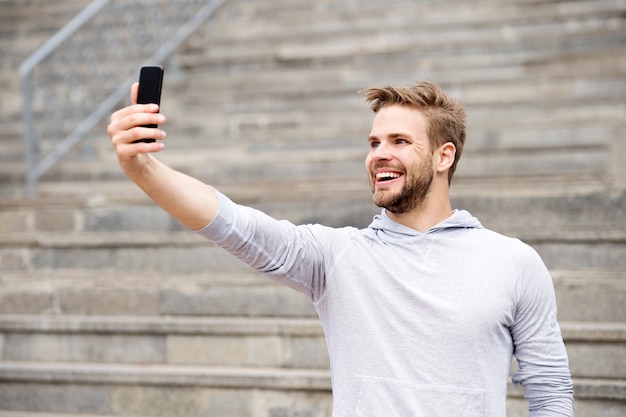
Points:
[(188, 200)]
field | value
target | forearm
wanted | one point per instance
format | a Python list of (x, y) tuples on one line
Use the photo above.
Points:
[(539, 348), (553, 399), (188, 200)]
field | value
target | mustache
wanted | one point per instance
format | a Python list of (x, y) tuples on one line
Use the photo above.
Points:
[(390, 167)]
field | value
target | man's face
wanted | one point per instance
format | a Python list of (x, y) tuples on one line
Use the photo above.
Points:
[(399, 163)]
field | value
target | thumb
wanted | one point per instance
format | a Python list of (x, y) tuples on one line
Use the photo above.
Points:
[(133, 92)]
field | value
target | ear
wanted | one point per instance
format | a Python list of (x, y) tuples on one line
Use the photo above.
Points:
[(445, 154)]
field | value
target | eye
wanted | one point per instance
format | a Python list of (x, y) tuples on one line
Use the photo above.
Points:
[(374, 144), (401, 141)]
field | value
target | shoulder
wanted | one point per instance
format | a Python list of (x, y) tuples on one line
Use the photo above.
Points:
[(334, 235), (505, 251)]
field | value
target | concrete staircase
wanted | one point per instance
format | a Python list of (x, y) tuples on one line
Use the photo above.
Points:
[(108, 307)]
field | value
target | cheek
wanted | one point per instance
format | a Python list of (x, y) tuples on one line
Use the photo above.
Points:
[(368, 162)]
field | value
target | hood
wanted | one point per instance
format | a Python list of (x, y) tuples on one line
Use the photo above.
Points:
[(460, 219)]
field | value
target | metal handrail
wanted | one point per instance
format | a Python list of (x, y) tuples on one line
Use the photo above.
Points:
[(34, 91)]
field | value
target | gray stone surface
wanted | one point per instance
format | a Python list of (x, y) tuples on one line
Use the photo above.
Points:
[(109, 348), (251, 301), (108, 301), (56, 398), (26, 301)]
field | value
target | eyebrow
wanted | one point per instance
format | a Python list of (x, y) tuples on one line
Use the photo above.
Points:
[(391, 136)]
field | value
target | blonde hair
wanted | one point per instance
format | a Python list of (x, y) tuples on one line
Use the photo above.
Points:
[(445, 115)]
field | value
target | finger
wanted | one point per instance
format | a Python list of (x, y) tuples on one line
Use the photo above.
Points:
[(134, 109), (133, 156), (138, 133), (132, 127), (131, 149), (133, 92), (127, 149), (121, 137)]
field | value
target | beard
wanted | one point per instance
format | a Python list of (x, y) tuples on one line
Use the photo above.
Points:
[(413, 193)]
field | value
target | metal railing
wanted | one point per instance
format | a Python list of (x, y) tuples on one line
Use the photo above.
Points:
[(76, 78)]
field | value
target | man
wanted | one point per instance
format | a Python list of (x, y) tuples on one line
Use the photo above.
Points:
[(422, 310)]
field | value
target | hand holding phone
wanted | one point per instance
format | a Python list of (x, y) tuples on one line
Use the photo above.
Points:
[(150, 84)]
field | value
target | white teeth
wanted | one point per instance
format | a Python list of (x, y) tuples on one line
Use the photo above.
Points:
[(381, 175)]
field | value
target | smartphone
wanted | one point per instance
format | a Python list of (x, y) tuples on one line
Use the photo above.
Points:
[(150, 84)]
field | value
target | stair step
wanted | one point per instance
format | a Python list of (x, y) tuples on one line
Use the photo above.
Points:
[(187, 252), (585, 248), (166, 375), (173, 377), (591, 296), (514, 207), (286, 196), (163, 390), (593, 348), (218, 341), (485, 79), (250, 300), (117, 241), (589, 162), (589, 356), (348, 34), (227, 326), (586, 295), (237, 291), (6, 413)]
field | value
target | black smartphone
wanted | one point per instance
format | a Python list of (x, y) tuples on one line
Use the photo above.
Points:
[(150, 84)]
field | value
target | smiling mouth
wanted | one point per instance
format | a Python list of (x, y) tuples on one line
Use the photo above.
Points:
[(386, 176)]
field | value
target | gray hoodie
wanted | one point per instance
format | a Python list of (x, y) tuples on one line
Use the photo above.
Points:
[(417, 324)]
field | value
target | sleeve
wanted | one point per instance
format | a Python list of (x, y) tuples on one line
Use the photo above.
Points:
[(538, 344), (289, 254)]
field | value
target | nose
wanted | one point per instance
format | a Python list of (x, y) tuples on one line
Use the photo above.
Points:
[(381, 152)]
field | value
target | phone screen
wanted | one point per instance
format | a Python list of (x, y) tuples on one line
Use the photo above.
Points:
[(150, 84)]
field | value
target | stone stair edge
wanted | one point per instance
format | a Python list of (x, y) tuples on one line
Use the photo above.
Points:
[(581, 276), (166, 375), (13, 280), (573, 331), (509, 75), (327, 6), (351, 45), (144, 239), (170, 325), (290, 114), (464, 34), (103, 193), (227, 377), (103, 239), (115, 224), (50, 16), (245, 277), (295, 24), (350, 147), (570, 162), (482, 108), (349, 80), (120, 279), (11, 413)]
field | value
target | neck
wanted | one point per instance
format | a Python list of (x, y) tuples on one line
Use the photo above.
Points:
[(435, 208)]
